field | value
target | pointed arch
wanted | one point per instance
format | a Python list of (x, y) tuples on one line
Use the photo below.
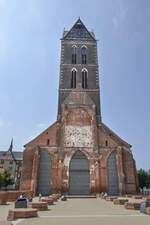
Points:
[(112, 174), (79, 174), (44, 173)]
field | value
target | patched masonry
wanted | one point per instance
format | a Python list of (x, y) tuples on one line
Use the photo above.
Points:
[(79, 154)]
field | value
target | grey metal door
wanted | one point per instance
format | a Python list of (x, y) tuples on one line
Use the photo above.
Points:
[(79, 175), (112, 174), (44, 173)]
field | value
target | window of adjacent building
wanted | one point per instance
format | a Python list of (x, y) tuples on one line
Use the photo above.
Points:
[(10, 168), (84, 79), (73, 79), (48, 141), (2, 161), (74, 55), (84, 55), (11, 162)]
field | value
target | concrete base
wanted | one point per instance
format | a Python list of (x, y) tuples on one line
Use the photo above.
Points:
[(81, 196), (132, 205), (120, 201), (40, 206), (21, 213), (49, 201)]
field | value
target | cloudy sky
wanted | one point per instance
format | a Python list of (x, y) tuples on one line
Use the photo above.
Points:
[(30, 32)]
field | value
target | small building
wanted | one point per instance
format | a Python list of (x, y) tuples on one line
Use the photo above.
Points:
[(12, 161)]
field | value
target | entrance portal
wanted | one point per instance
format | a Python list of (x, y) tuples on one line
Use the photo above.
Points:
[(112, 174), (79, 175), (44, 173)]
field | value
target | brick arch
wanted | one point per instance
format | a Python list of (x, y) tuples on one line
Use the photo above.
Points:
[(112, 173), (78, 117), (67, 158), (129, 171), (79, 174), (44, 173)]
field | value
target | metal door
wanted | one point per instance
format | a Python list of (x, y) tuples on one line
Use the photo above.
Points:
[(79, 175), (112, 174), (44, 173)]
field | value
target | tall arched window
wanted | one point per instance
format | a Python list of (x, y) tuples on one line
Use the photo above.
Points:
[(84, 78), (73, 79), (83, 54), (74, 55)]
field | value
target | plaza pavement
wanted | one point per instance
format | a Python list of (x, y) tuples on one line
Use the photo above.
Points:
[(83, 212)]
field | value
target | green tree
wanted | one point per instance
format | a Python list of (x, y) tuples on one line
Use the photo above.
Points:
[(144, 178), (8, 180), (1, 180)]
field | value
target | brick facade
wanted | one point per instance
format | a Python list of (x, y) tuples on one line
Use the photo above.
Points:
[(79, 127)]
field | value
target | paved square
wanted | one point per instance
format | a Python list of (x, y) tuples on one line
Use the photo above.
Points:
[(86, 212)]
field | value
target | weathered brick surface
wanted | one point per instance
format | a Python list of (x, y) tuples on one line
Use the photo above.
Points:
[(147, 199), (137, 197), (49, 201), (21, 213), (79, 128), (3, 197), (120, 201), (110, 198), (40, 206), (13, 195), (148, 210), (132, 205)]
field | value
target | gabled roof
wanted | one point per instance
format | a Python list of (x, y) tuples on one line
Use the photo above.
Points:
[(114, 135), (78, 31)]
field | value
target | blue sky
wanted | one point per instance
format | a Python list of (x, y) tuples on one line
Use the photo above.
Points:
[(30, 32)]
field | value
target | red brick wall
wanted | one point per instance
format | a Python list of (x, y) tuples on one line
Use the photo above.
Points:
[(97, 155), (49, 133)]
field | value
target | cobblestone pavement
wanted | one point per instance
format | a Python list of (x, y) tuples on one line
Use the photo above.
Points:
[(84, 212)]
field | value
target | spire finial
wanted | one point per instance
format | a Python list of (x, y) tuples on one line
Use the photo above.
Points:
[(11, 145)]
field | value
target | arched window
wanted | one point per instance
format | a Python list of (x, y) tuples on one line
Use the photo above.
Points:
[(84, 79), (106, 142), (83, 54), (73, 79), (74, 55)]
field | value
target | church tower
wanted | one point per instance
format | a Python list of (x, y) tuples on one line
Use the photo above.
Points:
[(79, 77), (78, 154)]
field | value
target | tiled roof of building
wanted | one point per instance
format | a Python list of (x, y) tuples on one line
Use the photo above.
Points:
[(7, 155)]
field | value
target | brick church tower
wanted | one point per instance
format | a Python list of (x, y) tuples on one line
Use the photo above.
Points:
[(78, 154)]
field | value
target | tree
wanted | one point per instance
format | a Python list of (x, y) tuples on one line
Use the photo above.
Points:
[(8, 179), (144, 178), (1, 180)]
